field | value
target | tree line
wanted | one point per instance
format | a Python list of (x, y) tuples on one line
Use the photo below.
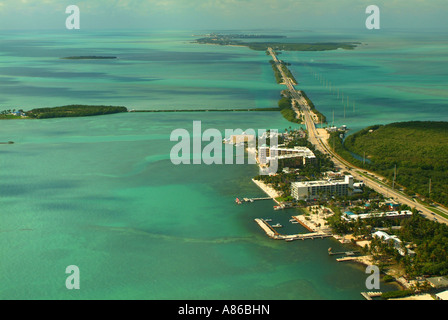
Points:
[(414, 153), (74, 111)]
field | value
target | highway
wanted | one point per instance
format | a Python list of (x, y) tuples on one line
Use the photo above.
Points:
[(372, 180)]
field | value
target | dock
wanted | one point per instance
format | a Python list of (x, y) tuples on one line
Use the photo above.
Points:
[(346, 259), (303, 224), (256, 199), (347, 253), (370, 295), (267, 228), (271, 233)]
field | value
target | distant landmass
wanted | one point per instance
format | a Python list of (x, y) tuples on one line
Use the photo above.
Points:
[(229, 40), (243, 36), (73, 111), (89, 58)]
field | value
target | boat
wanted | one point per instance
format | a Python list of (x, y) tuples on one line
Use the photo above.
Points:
[(238, 201), (268, 220), (278, 225)]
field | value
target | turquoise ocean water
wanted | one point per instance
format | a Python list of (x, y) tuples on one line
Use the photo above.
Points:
[(101, 193)]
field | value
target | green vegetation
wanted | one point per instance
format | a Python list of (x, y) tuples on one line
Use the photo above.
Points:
[(9, 116), (417, 149), (89, 58), (285, 106), (397, 294), (277, 73), (431, 239), (288, 73), (73, 111), (428, 239), (261, 46), (12, 114), (226, 40), (320, 116)]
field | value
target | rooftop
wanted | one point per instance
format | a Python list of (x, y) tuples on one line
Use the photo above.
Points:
[(438, 282), (328, 182), (391, 214)]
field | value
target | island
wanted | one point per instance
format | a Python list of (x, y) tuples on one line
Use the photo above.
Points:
[(232, 40), (62, 112), (89, 58)]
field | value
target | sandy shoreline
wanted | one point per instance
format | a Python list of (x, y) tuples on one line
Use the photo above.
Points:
[(271, 192)]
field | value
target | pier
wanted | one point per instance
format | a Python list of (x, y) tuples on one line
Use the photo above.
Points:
[(269, 230), (256, 199), (347, 253), (370, 295), (303, 224)]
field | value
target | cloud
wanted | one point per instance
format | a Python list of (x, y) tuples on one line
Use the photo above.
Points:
[(221, 13)]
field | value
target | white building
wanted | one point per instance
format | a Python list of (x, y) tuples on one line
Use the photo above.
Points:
[(394, 239), (315, 189), (350, 216), (266, 154), (442, 295)]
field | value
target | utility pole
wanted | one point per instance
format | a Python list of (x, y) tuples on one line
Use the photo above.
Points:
[(333, 117), (430, 188), (344, 110), (395, 177)]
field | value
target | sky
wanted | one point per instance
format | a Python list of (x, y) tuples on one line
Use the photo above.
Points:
[(222, 14)]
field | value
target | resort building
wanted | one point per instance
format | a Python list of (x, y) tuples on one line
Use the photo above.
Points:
[(309, 190), (350, 216), (240, 138), (265, 154), (438, 282), (396, 242), (442, 295)]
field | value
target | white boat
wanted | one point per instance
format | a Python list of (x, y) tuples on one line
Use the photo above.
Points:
[(268, 220), (278, 225)]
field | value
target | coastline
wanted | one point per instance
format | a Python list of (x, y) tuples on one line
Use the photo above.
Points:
[(271, 192)]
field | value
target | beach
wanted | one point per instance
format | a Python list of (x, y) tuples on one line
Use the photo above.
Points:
[(270, 191)]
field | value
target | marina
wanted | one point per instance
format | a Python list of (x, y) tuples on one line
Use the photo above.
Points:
[(122, 189), (273, 234)]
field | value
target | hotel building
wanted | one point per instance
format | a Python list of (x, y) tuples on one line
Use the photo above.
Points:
[(265, 154), (308, 190)]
